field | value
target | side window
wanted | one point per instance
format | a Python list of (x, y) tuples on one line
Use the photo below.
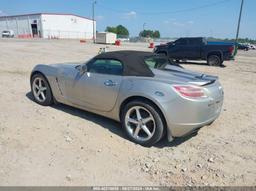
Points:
[(156, 62), (181, 41), (106, 66), (151, 62), (194, 41)]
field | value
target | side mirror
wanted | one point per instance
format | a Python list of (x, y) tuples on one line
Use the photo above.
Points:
[(171, 44), (82, 69)]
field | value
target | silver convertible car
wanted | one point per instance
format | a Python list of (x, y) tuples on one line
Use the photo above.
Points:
[(147, 93)]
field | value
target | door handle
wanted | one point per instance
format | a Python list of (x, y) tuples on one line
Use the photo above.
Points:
[(110, 83)]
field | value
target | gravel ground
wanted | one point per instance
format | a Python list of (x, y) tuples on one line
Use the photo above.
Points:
[(61, 145)]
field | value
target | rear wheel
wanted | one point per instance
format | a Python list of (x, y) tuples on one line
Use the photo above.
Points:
[(214, 60), (142, 123), (41, 90)]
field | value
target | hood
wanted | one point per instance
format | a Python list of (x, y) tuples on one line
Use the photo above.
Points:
[(161, 45), (181, 75)]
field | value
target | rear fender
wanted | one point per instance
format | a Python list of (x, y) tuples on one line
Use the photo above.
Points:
[(215, 52), (159, 93)]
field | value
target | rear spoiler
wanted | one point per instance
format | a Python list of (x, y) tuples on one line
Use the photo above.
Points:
[(210, 79)]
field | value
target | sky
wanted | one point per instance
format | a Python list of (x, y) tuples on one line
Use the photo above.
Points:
[(173, 18)]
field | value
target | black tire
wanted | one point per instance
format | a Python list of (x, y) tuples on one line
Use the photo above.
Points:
[(159, 123), (48, 92), (214, 60)]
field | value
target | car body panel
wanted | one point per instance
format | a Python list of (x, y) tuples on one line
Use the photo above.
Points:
[(88, 91)]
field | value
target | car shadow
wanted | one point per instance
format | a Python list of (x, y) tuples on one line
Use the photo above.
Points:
[(176, 142), (197, 63), (104, 122), (112, 125)]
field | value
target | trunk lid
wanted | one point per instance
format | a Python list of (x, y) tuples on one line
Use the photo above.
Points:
[(181, 75)]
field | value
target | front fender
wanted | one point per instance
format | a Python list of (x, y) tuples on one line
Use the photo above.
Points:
[(50, 74), (46, 70)]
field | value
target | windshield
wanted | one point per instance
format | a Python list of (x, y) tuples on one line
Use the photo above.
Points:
[(158, 62)]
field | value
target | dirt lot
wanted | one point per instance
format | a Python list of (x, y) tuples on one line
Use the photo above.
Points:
[(61, 145)]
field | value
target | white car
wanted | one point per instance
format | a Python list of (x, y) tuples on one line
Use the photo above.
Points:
[(252, 46), (8, 34)]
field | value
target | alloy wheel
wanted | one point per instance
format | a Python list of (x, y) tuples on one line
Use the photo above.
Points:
[(140, 123), (39, 89)]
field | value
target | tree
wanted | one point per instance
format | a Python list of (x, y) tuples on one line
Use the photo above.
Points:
[(156, 34), (146, 33), (150, 34), (110, 29), (119, 30), (240, 40)]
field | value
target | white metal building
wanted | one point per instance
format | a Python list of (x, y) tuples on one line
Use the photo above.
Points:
[(49, 25)]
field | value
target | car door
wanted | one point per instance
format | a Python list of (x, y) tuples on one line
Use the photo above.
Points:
[(193, 48), (178, 49), (98, 87)]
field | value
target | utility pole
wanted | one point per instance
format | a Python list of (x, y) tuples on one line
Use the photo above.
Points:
[(93, 7), (143, 27), (144, 24), (7, 25), (238, 25)]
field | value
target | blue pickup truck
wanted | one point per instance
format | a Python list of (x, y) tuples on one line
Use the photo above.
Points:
[(197, 48)]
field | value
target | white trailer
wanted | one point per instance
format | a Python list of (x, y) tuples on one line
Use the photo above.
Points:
[(49, 25), (105, 38)]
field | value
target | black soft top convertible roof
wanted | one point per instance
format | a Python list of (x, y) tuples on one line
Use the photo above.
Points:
[(133, 62)]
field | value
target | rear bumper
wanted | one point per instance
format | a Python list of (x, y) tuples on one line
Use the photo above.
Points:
[(184, 115), (180, 130), (227, 57)]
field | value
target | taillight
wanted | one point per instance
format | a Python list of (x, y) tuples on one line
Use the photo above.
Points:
[(190, 91), (231, 49)]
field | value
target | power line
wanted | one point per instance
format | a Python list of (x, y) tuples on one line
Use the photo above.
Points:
[(168, 12), (188, 9)]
